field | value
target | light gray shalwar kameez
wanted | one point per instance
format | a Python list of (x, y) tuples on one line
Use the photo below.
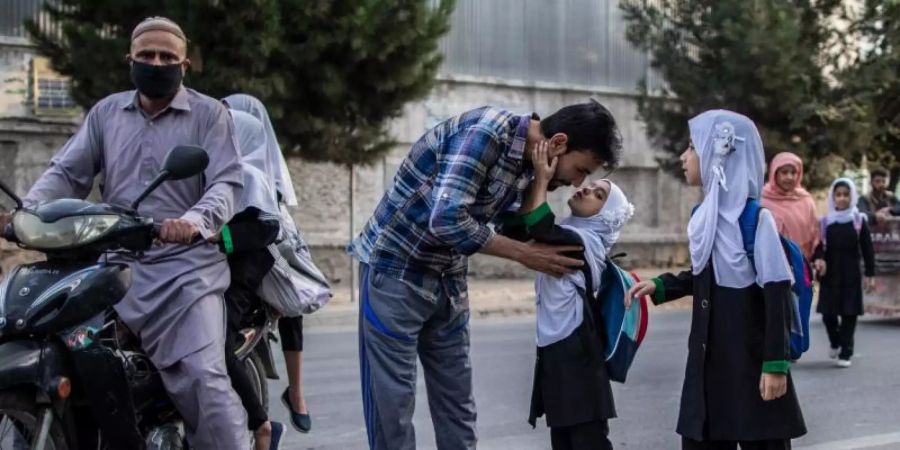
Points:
[(175, 305)]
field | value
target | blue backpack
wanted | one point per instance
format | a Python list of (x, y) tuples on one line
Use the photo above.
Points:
[(802, 289)]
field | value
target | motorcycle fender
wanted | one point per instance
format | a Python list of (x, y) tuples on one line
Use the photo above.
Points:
[(33, 363)]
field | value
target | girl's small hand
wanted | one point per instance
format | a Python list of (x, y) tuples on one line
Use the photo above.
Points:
[(870, 284), (772, 386), (820, 267), (544, 167), (639, 290)]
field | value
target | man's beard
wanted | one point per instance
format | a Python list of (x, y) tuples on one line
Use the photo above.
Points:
[(555, 184)]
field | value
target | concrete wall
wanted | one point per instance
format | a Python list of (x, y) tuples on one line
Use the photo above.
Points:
[(656, 235), (334, 209), (15, 59)]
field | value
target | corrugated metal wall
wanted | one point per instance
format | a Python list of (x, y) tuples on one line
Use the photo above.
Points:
[(13, 14), (567, 42)]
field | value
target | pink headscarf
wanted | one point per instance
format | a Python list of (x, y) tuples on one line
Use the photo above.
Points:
[(794, 210)]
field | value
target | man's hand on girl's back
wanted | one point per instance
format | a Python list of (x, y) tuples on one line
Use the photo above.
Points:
[(548, 259)]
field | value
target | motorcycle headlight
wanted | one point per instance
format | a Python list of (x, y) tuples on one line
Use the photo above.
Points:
[(66, 232)]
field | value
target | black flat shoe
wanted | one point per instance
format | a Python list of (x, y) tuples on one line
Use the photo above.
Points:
[(300, 422)]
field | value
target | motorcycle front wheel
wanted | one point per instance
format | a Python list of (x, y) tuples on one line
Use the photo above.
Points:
[(20, 422)]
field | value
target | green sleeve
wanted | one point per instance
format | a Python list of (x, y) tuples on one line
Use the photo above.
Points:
[(533, 217), (659, 295), (776, 367)]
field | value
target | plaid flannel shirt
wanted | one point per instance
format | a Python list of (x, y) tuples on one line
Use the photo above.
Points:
[(458, 178)]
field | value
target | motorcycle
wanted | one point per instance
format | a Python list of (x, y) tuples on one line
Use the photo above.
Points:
[(71, 374)]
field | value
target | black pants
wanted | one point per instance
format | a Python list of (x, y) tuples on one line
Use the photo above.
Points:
[(840, 333), (242, 384), (690, 444), (586, 436), (291, 331)]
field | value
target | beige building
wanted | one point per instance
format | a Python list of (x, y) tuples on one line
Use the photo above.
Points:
[(524, 55)]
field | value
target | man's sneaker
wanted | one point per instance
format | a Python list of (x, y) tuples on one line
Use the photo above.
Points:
[(843, 363), (277, 434), (833, 354)]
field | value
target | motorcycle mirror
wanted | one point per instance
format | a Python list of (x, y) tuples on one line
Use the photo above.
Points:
[(183, 161), (11, 194)]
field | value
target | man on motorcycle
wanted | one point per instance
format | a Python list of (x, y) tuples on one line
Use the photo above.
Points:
[(175, 305)]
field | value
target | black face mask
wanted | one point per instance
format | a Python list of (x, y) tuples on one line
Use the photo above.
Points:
[(156, 81)]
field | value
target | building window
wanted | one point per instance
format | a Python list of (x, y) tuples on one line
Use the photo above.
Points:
[(49, 91)]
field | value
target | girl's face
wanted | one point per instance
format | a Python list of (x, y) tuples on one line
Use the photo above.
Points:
[(690, 165), (786, 177), (841, 198), (589, 200)]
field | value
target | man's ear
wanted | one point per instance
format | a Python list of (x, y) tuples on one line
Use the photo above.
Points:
[(558, 145), (185, 65)]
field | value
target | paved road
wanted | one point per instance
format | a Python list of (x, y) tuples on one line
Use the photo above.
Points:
[(844, 409)]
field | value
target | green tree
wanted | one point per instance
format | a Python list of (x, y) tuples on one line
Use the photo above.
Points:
[(868, 97), (766, 59), (331, 72)]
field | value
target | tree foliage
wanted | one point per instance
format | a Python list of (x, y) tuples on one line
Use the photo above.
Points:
[(771, 60), (331, 72), (868, 96)]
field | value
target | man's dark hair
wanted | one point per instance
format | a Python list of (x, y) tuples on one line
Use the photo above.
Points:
[(879, 172), (589, 126)]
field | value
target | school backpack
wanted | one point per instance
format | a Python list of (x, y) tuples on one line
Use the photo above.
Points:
[(802, 289), (622, 330)]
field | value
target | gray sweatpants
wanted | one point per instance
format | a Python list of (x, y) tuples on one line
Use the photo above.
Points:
[(395, 326)]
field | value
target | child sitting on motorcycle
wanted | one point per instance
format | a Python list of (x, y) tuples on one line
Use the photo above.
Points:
[(245, 240)]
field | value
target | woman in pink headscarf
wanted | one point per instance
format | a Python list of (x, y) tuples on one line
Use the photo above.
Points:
[(791, 205)]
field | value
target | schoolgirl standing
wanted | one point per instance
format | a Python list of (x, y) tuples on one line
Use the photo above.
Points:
[(737, 387), (846, 240)]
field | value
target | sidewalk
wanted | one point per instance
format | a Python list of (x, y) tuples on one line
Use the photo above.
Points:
[(488, 298)]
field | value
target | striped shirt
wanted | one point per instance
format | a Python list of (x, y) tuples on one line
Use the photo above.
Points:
[(457, 180)]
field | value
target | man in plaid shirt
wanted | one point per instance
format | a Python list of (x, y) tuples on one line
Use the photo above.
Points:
[(461, 178)]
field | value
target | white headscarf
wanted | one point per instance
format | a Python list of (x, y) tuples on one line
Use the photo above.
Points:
[(600, 231), (259, 188), (732, 168), (275, 165), (847, 215), (560, 308)]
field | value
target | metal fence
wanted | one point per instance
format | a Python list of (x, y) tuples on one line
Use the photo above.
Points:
[(14, 13), (578, 43), (567, 42)]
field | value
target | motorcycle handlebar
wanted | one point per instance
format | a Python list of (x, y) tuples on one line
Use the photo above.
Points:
[(157, 228)]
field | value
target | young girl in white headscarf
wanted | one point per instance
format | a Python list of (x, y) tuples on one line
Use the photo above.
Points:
[(270, 161), (737, 387), (571, 385), (846, 240)]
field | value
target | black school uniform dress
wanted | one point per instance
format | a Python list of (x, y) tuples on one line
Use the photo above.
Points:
[(736, 334), (571, 386), (841, 288)]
